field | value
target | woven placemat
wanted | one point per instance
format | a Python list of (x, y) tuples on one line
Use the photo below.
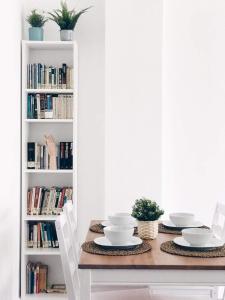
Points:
[(172, 248), (164, 229), (98, 228), (92, 248)]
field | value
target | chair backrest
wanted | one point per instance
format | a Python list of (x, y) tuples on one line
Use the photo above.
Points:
[(68, 258), (70, 212), (218, 223)]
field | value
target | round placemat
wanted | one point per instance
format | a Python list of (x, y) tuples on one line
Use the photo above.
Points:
[(172, 248), (92, 248), (98, 228), (164, 229)]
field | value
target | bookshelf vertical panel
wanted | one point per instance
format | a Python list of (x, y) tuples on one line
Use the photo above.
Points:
[(33, 130)]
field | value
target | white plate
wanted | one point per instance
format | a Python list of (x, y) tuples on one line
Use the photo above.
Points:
[(169, 224), (108, 223), (213, 244), (105, 243)]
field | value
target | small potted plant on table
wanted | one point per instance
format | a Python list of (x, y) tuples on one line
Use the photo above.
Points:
[(147, 213), (37, 22), (67, 20)]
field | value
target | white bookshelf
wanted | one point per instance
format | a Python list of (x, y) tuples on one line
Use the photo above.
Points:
[(50, 53)]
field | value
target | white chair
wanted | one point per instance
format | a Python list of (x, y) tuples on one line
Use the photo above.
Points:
[(218, 225), (71, 272), (71, 215)]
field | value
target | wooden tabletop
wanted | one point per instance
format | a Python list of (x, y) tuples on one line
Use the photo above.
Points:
[(154, 259)]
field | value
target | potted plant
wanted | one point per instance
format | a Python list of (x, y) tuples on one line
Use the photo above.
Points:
[(147, 213), (37, 22), (66, 20)]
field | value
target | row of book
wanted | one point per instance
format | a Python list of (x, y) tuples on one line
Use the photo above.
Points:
[(41, 235), (37, 280), (45, 106), (45, 201), (40, 76), (38, 156)]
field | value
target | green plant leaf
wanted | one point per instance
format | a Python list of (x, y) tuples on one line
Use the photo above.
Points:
[(64, 18)]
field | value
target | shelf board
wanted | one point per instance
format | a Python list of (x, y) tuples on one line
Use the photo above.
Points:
[(50, 91), (49, 120), (39, 171), (48, 296), (50, 45), (42, 251), (40, 217)]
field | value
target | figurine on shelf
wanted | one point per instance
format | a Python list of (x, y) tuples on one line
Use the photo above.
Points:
[(52, 151)]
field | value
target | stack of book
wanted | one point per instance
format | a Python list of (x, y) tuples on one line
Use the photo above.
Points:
[(40, 76), (44, 106), (41, 235), (38, 157), (44, 201), (36, 278)]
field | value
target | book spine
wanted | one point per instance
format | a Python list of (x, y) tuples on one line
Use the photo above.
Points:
[(31, 155)]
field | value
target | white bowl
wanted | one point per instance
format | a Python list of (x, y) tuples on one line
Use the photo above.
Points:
[(121, 219), (197, 236), (118, 235), (182, 219)]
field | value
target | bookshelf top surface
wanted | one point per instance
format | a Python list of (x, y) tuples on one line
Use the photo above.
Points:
[(49, 45)]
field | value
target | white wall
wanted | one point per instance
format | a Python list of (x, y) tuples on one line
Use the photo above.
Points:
[(10, 150), (90, 35), (193, 106), (133, 102)]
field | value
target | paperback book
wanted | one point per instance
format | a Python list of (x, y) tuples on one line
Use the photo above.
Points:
[(38, 156), (41, 76), (45, 201), (49, 106), (41, 235), (36, 278)]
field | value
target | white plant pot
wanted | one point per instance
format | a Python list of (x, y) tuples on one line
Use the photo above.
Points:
[(148, 229), (66, 35)]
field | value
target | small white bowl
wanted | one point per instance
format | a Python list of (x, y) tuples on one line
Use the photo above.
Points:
[(121, 219), (182, 219), (118, 235), (197, 236)]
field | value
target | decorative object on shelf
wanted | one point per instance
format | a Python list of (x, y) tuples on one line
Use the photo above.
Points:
[(51, 144), (37, 21), (147, 213), (66, 19)]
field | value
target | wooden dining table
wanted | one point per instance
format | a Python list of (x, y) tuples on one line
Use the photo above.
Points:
[(154, 267)]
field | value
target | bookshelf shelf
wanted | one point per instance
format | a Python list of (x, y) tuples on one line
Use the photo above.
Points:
[(49, 91), (40, 251), (49, 45), (48, 296), (40, 171), (61, 56), (40, 218), (49, 120)]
